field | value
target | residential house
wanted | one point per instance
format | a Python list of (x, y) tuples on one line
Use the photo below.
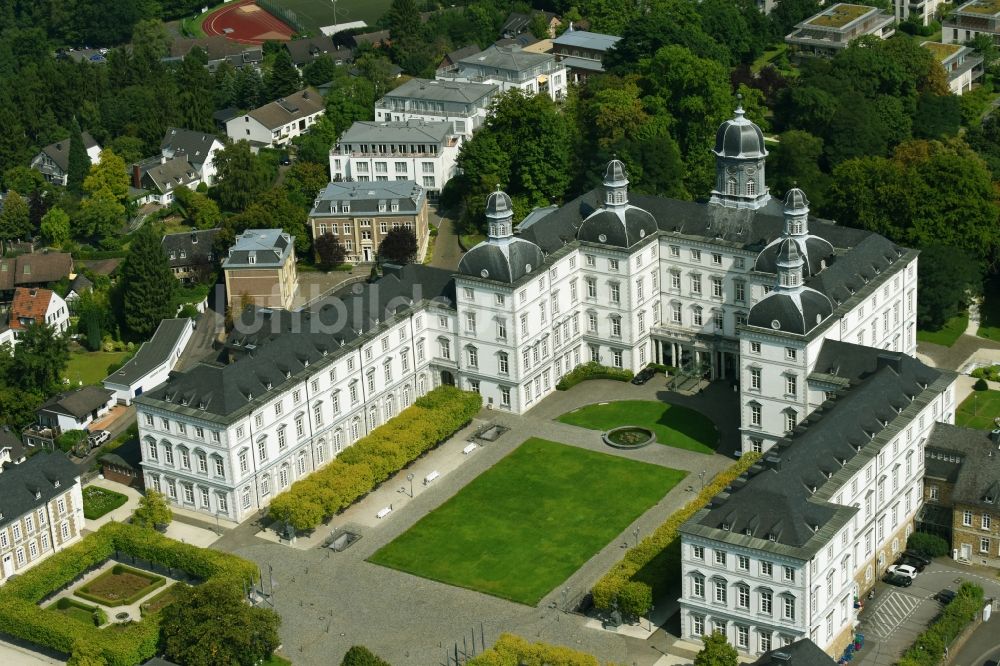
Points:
[(962, 491), (153, 362), (962, 66), (11, 448), (30, 270), (34, 306), (406, 150), (310, 49), (78, 286), (260, 270), (360, 215), (76, 409), (464, 104), (582, 52), (451, 59), (510, 67), (41, 511), (157, 178), (922, 12), (832, 29), (53, 160), (968, 21), (277, 123), (199, 148), (218, 49), (518, 23), (190, 253)]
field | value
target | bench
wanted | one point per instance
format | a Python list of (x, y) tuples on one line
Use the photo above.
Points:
[(470, 448), (430, 477), (384, 512)]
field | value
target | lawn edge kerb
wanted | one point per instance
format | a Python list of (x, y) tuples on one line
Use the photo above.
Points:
[(647, 569), (133, 642)]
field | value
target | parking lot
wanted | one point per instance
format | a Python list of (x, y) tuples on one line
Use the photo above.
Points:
[(892, 621)]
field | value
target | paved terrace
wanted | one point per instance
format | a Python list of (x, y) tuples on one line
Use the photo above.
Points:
[(330, 601)]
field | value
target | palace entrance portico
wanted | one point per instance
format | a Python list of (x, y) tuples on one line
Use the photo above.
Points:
[(712, 355)]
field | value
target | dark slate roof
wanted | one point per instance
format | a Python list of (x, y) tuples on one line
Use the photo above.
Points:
[(78, 402), (367, 198), (802, 652), (101, 266), (172, 173), (504, 260), (59, 151), (152, 354), (195, 145), (622, 227), (816, 252), (783, 501), (34, 482), (270, 248), (978, 480), (195, 245), (793, 312), (454, 56), (11, 440), (267, 347), (740, 138), (307, 49), (80, 284)]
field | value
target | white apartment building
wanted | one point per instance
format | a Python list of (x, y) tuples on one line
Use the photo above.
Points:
[(275, 124), (464, 104), (971, 19), (511, 68), (41, 511), (740, 287), (921, 11), (405, 150)]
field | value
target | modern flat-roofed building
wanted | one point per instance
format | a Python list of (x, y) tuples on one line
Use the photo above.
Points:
[(260, 270), (582, 52), (464, 104), (510, 67), (153, 362), (406, 150), (835, 27), (968, 21), (922, 12), (359, 215), (963, 67)]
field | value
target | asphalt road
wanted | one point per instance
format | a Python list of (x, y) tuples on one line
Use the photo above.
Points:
[(982, 646)]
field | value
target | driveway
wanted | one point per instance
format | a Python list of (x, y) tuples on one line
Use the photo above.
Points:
[(447, 252)]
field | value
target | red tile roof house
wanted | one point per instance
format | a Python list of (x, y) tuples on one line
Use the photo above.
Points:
[(37, 306)]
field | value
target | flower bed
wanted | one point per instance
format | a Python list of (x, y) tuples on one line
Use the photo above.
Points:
[(130, 643), (629, 437), (98, 501), (121, 586)]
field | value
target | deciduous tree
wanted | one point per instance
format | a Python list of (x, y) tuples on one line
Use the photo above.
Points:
[(15, 218), (399, 246), (197, 208), (55, 226), (40, 358), (948, 279), (717, 652), (282, 79), (330, 251), (359, 655), (153, 510), (240, 176)]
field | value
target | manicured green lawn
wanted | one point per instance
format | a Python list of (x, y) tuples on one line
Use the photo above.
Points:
[(674, 426), (949, 333), (91, 367), (979, 410), (524, 526), (77, 610), (98, 501), (275, 660)]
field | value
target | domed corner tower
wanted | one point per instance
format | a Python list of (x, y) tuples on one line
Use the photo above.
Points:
[(617, 222), (816, 252), (739, 164), (501, 257), (791, 307)]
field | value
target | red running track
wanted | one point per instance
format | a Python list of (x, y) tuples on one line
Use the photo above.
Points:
[(253, 27)]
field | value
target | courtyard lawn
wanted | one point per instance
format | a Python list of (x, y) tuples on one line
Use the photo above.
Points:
[(948, 334), (120, 586), (91, 367), (98, 501), (160, 601), (979, 410), (523, 527), (674, 426)]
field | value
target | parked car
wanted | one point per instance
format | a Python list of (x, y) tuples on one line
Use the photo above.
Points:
[(911, 561), (902, 570), (643, 376), (946, 596), (898, 580), (98, 438), (916, 555), (285, 159)]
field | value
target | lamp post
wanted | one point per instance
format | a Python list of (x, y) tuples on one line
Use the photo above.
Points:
[(409, 477), (701, 476), (635, 533)]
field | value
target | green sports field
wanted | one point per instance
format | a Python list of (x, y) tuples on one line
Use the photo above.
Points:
[(525, 525), (314, 14)]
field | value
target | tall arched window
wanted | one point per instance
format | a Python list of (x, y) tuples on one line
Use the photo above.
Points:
[(732, 187), (283, 476), (751, 187), (338, 440), (355, 429)]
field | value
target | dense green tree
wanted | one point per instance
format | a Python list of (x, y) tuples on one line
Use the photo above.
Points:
[(240, 176), (319, 71), (271, 210), (282, 79), (667, 23), (55, 226), (399, 246), (984, 138), (304, 181), (949, 278), (150, 43), (101, 216), (194, 86), (313, 147), (330, 252), (24, 180), (197, 208), (212, 624), (130, 148), (937, 116), (153, 510), (86, 653), (15, 218), (79, 161), (717, 652), (39, 359), (795, 162), (94, 318), (359, 655), (147, 285)]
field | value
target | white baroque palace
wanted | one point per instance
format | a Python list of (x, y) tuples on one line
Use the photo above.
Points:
[(813, 320)]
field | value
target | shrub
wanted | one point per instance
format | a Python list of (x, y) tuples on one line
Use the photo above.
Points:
[(359, 655), (990, 373), (653, 564), (98, 501), (980, 385), (592, 370), (511, 650), (359, 469), (930, 545), (930, 645)]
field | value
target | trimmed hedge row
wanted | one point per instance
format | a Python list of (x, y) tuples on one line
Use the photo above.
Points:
[(154, 583), (130, 643), (511, 650), (928, 649), (647, 569), (362, 467), (592, 370)]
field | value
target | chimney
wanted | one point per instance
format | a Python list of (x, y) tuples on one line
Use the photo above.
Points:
[(136, 177)]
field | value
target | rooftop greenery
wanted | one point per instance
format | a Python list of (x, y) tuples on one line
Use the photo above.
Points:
[(839, 15)]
